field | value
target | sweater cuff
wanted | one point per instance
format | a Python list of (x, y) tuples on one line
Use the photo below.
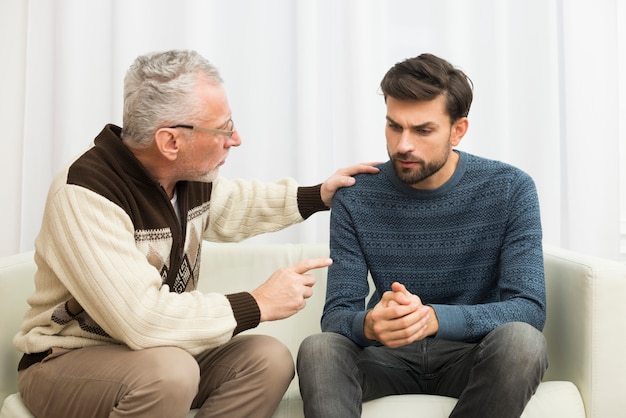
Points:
[(452, 323), (246, 311), (310, 200), (358, 330)]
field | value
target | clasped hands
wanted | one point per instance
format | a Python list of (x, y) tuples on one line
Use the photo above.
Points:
[(400, 318)]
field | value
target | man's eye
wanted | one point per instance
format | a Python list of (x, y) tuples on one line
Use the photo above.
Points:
[(395, 127), (424, 132)]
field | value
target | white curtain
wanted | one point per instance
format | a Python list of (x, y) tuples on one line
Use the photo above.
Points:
[(302, 78)]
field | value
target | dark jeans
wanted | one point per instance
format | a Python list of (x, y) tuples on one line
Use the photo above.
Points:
[(494, 378)]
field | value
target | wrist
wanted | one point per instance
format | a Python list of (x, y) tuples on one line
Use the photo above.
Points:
[(310, 200), (432, 327), (368, 327)]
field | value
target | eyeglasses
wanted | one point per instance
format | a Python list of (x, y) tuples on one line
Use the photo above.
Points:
[(226, 132)]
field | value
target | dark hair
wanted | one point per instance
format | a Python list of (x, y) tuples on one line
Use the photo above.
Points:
[(426, 77)]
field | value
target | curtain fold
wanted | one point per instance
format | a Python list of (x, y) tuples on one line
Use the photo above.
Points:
[(302, 79), (590, 127)]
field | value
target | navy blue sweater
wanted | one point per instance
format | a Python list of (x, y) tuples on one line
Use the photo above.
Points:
[(471, 249)]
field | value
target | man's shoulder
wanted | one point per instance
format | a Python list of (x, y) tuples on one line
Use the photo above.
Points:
[(488, 166), (366, 183)]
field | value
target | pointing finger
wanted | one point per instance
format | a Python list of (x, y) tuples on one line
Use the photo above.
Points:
[(313, 263)]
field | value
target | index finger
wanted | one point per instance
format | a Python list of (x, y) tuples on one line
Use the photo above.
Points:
[(310, 264)]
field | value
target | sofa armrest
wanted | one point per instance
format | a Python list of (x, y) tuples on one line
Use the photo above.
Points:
[(16, 284), (586, 327)]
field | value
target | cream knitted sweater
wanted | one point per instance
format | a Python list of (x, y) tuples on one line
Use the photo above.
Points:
[(116, 266)]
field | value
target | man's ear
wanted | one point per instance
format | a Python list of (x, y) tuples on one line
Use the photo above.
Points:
[(458, 131), (167, 141)]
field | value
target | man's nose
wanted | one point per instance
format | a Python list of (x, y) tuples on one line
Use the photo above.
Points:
[(234, 140)]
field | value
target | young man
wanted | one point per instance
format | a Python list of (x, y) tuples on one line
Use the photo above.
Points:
[(114, 329), (453, 245)]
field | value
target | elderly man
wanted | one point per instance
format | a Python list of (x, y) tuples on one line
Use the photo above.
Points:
[(115, 328)]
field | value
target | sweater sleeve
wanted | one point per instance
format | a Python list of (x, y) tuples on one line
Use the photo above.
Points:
[(246, 311), (520, 274), (347, 284), (310, 200), (241, 209), (88, 259)]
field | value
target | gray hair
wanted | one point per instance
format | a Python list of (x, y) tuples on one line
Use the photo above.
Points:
[(158, 92)]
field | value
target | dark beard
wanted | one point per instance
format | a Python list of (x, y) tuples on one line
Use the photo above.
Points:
[(412, 176)]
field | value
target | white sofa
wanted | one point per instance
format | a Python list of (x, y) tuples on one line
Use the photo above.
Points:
[(586, 329)]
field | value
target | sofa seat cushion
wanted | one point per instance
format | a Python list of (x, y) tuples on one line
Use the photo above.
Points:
[(552, 399), (14, 408)]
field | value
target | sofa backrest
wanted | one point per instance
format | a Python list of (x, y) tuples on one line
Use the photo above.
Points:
[(230, 268)]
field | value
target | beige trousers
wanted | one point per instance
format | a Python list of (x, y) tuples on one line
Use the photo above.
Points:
[(246, 377)]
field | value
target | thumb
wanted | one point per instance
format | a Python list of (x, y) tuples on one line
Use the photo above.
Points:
[(401, 294), (399, 287)]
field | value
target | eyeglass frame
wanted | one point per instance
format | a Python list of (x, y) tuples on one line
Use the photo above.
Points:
[(227, 133)]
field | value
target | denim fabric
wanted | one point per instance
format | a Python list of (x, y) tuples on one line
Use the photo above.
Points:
[(493, 378)]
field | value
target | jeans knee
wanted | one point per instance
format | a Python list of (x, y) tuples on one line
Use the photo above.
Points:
[(311, 346), (326, 353), (519, 346), (322, 348)]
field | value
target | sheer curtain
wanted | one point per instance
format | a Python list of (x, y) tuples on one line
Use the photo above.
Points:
[(302, 79)]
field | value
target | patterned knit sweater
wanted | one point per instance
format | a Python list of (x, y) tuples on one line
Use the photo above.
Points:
[(116, 265), (471, 249)]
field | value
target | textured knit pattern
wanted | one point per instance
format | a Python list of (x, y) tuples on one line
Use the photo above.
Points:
[(471, 249), (116, 265)]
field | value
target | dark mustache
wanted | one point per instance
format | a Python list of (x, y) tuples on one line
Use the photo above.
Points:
[(406, 157)]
